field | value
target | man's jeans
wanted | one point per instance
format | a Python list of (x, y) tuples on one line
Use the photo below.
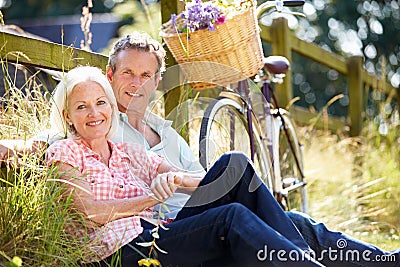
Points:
[(231, 220), (337, 249)]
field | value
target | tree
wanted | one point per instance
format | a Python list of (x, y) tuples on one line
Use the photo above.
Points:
[(47, 8), (369, 28)]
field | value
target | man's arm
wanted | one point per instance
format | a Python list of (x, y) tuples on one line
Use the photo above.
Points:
[(11, 148)]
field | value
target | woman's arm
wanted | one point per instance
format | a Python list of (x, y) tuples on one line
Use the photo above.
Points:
[(101, 211)]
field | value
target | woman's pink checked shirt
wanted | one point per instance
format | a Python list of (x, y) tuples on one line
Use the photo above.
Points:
[(129, 174)]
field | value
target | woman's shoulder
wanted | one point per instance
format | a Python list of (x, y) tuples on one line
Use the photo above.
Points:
[(64, 145), (66, 150), (129, 148)]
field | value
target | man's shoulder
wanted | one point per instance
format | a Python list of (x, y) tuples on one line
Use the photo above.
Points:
[(156, 120)]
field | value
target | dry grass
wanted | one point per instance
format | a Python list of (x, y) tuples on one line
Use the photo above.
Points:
[(358, 199)]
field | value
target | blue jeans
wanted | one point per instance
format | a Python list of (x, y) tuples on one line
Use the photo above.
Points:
[(337, 249), (230, 220)]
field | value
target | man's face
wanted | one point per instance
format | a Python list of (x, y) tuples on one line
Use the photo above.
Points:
[(135, 79)]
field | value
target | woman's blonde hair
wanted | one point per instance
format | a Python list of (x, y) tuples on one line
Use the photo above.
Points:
[(64, 89)]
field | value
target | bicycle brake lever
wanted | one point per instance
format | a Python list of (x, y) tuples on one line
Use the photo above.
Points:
[(277, 7), (278, 78), (268, 13), (294, 13)]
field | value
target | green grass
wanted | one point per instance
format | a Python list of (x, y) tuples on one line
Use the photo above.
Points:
[(33, 213), (33, 206), (353, 186)]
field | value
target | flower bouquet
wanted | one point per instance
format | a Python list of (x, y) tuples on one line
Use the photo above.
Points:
[(215, 42)]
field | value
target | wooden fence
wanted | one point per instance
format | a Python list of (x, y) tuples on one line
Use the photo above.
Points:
[(359, 82), (33, 52)]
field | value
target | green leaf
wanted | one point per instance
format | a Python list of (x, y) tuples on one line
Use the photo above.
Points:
[(161, 215), (159, 249), (145, 244), (165, 207), (156, 235), (17, 261)]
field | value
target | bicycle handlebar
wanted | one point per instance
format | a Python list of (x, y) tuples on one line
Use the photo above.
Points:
[(278, 4), (293, 3)]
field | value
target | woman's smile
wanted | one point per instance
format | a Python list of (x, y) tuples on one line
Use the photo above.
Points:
[(95, 123), (89, 111)]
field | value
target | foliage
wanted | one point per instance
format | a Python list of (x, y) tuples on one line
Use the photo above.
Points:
[(33, 208), (47, 8), (367, 28), (362, 198), (141, 17), (33, 214)]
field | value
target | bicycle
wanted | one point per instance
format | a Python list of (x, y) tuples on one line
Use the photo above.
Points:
[(230, 123)]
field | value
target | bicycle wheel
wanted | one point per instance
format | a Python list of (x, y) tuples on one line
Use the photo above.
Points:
[(291, 164), (224, 128)]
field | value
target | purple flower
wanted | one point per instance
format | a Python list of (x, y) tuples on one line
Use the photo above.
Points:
[(198, 16), (173, 19)]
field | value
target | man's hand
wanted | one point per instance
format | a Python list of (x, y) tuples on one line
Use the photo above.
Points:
[(165, 185), (5, 153)]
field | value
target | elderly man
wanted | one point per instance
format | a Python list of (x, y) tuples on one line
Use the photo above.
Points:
[(135, 66)]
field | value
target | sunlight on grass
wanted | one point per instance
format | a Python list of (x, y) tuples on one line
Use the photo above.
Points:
[(33, 208), (353, 187)]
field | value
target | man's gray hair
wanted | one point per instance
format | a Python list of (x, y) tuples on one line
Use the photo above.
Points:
[(141, 42)]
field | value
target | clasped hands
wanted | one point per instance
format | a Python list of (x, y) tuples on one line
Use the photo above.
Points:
[(165, 185)]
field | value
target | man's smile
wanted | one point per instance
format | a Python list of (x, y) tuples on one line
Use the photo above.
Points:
[(134, 94)]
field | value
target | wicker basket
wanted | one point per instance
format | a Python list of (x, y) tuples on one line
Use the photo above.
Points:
[(234, 47)]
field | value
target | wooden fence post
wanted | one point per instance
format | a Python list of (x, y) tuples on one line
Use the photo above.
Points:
[(171, 98), (356, 95), (174, 95), (280, 41)]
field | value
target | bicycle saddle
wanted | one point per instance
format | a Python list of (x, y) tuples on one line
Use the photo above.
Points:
[(276, 64)]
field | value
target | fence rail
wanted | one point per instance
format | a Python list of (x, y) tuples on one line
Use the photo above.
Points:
[(43, 54), (359, 81)]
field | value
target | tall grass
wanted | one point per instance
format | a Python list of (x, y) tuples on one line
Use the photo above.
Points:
[(33, 208), (353, 183)]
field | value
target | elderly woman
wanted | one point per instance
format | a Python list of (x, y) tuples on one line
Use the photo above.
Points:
[(230, 219)]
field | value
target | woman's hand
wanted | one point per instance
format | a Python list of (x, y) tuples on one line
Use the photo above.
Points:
[(165, 185)]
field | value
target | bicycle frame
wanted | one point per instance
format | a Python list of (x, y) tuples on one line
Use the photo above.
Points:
[(268, 94), (275, 129)]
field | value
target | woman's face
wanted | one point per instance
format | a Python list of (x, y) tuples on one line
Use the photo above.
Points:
[(89, 110)]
